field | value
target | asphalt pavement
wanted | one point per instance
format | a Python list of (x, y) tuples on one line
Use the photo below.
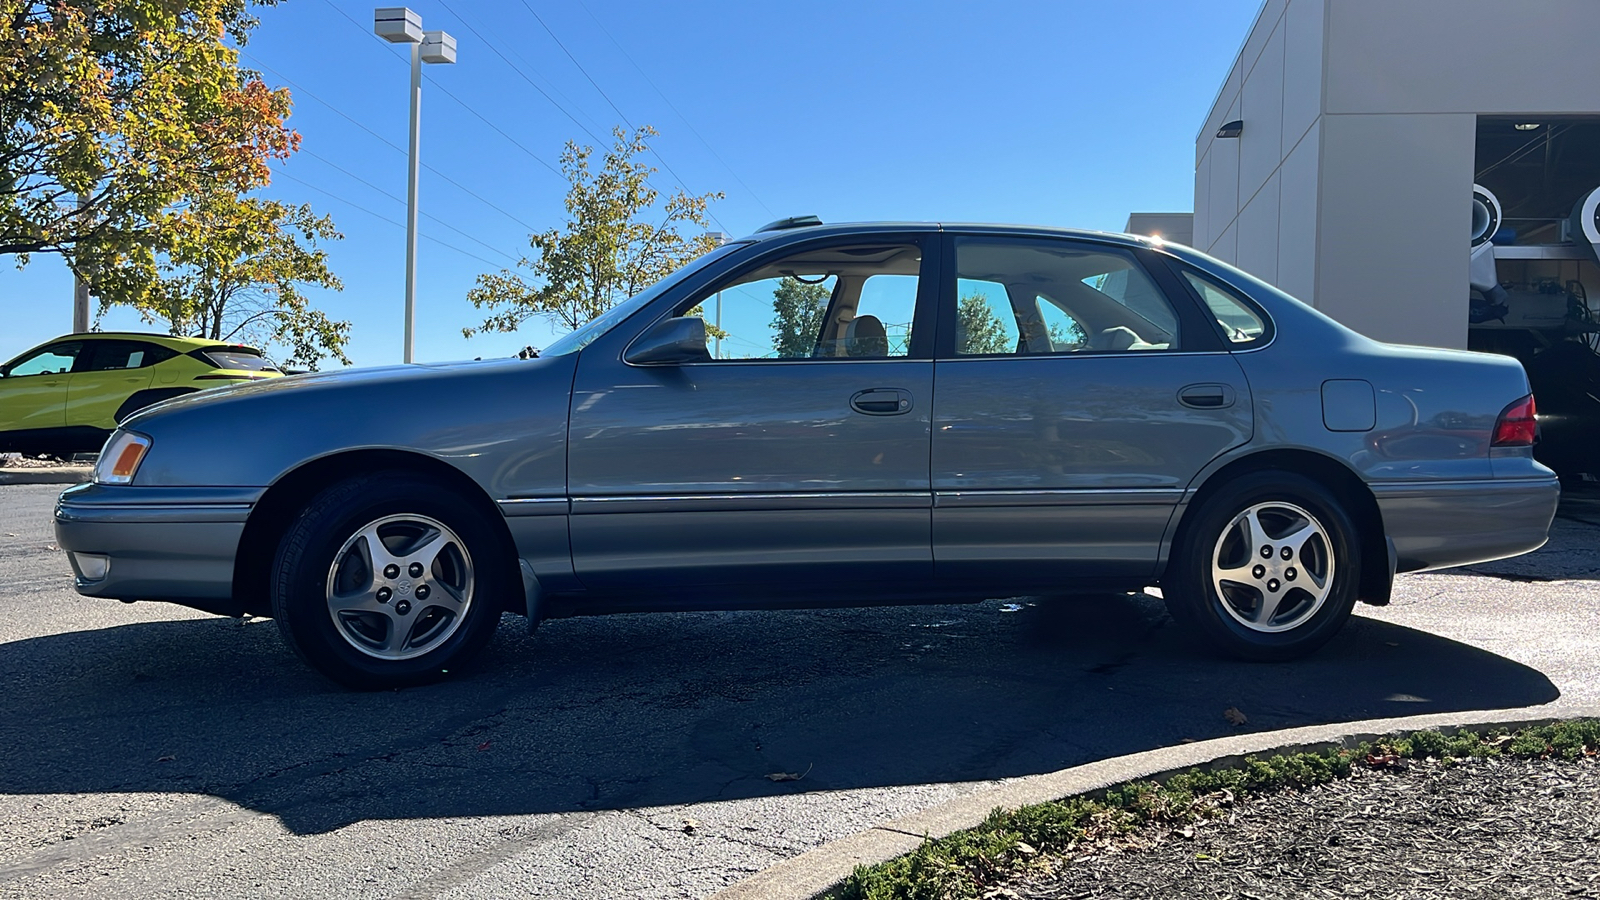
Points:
[(151, 751)]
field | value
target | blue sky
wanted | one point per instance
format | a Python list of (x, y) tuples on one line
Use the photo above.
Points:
[(1068, 112)]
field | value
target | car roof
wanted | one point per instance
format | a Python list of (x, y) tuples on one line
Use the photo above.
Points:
[(176, 342), (838, 229)]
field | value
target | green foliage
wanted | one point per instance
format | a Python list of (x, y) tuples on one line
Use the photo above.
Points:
[(978, 329), (798, 309), (607, 251), (136, 106), (1066, 335), (968, 863), (236, 265)]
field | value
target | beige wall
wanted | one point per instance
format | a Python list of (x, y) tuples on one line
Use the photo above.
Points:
[(1349, 185), (1256, 196)]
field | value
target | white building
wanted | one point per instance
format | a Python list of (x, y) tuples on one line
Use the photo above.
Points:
[(1366, 123)]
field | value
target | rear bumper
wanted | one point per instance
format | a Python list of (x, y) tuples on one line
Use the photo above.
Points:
[(1435, 525), (154, 543)]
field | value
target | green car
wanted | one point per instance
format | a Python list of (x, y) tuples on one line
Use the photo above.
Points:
[(67, 395)]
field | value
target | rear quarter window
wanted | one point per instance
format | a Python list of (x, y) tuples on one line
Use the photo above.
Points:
[(1241, 325)]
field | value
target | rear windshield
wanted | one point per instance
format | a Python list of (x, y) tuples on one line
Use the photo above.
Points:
[(238, 358)]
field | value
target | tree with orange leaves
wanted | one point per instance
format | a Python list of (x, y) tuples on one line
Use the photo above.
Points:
[(129, 141)]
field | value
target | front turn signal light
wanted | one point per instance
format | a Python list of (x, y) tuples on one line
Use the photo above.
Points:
[(120, 459)]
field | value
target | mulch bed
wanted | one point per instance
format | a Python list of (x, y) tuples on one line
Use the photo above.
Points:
[(1473, 828)]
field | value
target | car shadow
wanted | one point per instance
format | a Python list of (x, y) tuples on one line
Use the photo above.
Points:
[(648, 710)]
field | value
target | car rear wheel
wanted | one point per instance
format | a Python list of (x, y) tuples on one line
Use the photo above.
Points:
[(386, 580), (1268, 569)]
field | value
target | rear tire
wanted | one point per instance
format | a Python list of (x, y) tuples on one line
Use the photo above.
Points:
[(387, 580), (1267, 569)]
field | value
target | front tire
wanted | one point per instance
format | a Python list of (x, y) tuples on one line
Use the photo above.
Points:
[(1268, 569), (387, 580)]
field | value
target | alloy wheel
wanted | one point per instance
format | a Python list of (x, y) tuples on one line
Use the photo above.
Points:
[(1273, 567), (400, 586)]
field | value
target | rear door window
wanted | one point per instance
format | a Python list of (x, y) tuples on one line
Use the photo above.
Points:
[(1027, 297), (109, 356)]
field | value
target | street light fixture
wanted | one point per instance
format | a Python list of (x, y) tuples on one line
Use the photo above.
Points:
[(399, 25)]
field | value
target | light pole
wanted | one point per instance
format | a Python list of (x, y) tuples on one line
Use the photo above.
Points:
[(718, 238), (399, 25)]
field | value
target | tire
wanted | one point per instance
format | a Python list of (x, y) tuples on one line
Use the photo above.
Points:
[(140, 399), (389, 580), (1220, 585)]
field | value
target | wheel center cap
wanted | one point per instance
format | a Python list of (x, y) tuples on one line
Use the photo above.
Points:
[(403, 587)]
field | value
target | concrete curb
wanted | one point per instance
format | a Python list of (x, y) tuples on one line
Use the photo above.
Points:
[(52, 475), (809, 874)]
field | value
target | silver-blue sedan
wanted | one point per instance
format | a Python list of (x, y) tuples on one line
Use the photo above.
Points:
[(827, 415)]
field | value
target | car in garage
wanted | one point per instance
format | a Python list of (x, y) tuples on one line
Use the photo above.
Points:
[(65, 396), (885, 413)]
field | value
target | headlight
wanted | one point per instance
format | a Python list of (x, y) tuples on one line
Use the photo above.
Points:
[(120, 459)]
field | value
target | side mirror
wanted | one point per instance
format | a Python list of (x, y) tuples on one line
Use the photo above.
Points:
[(670, 342)]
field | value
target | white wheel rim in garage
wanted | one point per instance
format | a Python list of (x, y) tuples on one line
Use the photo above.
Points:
[(1272, 567), (399, 587)]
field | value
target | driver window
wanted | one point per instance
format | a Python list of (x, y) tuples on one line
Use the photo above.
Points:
[(1022, 297), (851, 302), (53, 360)]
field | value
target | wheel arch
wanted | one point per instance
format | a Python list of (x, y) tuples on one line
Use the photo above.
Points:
[(283, 500), (1377, 570)]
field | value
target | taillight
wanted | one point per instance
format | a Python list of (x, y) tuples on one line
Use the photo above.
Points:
[(1516, 426)]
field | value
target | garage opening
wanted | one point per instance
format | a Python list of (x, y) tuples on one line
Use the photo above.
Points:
[(1536, 272)]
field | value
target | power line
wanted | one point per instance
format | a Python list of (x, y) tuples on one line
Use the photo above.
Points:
[(670, 105), (385, 218), (596, 85), (401, 200), (448, 93), (458, 185), (515, 68)]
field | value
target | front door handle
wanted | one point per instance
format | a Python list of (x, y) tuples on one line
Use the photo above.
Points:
[(881, 402), (1206, 396)]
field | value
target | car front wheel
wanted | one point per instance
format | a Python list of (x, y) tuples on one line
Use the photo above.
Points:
[(386, 580), (1269, 568)]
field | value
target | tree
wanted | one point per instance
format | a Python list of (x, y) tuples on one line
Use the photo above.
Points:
[(112, 114), (606, 252), (978, 329), (236, 265), (799, 309)]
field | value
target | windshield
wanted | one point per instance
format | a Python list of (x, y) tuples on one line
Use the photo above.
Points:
[(590, 331)]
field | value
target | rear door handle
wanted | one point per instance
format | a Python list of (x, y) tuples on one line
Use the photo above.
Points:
[(881, 402), (1206, 396)]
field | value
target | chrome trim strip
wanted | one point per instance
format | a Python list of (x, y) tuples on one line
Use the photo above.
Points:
[(1080, 354), (533, 506), (752, 501), (1397, 490), (157, 506), (153, 513), (1463, 482), (958, 499)]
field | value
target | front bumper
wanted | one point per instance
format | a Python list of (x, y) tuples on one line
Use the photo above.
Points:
[(1435, 525), (154, 543)]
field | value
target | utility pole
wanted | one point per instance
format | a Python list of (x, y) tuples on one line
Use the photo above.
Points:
[(399, 25), (80, 288)]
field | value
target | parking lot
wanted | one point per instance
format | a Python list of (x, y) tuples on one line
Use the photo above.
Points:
[(152, 751)]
